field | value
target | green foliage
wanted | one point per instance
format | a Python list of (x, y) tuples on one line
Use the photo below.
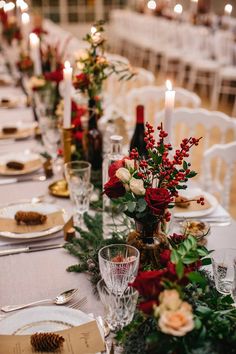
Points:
[(86, 247), (214, 333)]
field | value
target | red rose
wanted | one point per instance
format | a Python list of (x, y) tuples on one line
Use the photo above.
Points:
[(149, 284), (157, 199), (78, 135), (165, 257), (56, 76), (114, 188), (81, 81), (39, 31), (147, 306), (114, 167)]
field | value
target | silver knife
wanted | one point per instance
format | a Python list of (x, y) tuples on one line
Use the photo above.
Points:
[(29, 249), (27, 179)]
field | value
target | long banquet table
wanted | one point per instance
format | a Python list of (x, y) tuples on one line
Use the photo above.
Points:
[(38, 275)]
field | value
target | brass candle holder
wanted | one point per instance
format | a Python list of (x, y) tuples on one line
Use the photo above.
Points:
[(60, 188), (66, 143)]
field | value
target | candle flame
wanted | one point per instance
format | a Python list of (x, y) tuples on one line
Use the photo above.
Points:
[(178, 9), (152, 4), (22, 5), (25, 18), (228, 8), (67, 64), (8, 6), (33, 38), (169, 85), (2, 4), (93, 30)]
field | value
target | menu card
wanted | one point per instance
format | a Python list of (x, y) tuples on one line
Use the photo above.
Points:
[(83, 339)]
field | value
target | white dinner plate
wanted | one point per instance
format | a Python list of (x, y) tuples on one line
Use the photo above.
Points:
[(10, 211), (42, 319), (24, 130), (23, 157), (190, 193)]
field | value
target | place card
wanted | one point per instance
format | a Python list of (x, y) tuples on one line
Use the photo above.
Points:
[(83, 339)]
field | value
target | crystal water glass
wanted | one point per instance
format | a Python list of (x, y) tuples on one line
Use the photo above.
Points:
[(77, 175), (51, 135), (118, 311), (223, 269), (118, 266)]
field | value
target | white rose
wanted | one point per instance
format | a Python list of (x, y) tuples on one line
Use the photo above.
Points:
[(129, 164), (170, 300), (177, 323), (137, 186), (123, 174)]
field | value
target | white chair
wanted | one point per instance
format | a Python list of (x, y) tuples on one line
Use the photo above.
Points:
[(116, 91), (215, 127), (153, 97), (204, 70), (216, 183), (225, 78)]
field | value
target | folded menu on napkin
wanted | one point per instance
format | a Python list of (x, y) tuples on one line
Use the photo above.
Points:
[(194, 206), (83, 339), (28, 167), (10, 225)]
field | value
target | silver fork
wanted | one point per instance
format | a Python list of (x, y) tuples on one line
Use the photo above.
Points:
[(79, 304)]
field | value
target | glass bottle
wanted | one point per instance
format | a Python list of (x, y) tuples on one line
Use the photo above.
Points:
[(137, 141), (94, 138), (114, 155)]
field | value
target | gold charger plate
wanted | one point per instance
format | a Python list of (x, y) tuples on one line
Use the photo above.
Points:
[(59, 189)]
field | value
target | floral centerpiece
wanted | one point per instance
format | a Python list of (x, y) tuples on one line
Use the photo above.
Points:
[(147, 186), (25, 63), (94, 68), (180, 311), (10, 27)]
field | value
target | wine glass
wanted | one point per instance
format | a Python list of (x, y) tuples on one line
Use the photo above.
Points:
[(118, 265)]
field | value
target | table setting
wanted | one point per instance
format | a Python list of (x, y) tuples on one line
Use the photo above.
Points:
[(103, 253)]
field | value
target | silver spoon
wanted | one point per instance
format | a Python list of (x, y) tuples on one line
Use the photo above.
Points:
[(61, 299)]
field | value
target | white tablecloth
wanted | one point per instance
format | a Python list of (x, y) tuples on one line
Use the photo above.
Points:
[(29, 277)]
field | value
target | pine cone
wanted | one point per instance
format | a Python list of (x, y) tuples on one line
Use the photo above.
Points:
[(46, 342)]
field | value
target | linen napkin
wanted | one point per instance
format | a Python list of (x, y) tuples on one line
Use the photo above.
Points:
[(194, 206), (10, 225), (29, 166)]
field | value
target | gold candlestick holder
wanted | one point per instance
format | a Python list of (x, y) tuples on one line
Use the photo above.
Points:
[(66, 143), (60, 188)]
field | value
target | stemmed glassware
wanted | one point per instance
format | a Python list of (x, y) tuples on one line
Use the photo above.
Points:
[(118, 265), (77, 175)]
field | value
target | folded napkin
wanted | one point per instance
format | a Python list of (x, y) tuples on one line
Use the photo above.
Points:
[(10, 225), (19, 134), (29, 166)]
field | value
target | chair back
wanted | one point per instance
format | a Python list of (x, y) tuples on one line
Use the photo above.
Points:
[(215, 127), (153, 99), (220, 184)]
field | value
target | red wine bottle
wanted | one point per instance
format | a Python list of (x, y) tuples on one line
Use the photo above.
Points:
[(137, 141), (94, 138)]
